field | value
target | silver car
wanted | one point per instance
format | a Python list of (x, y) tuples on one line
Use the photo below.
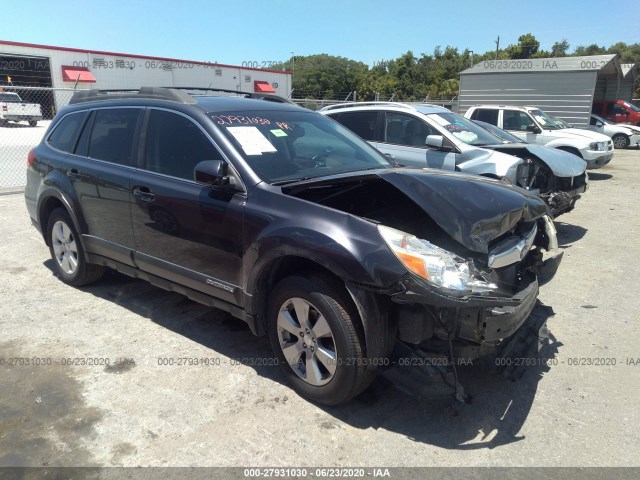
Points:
[(423, 135)]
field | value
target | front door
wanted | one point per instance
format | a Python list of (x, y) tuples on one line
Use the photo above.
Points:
[(184, 231)]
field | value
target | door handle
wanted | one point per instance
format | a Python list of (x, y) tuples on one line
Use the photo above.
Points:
[(144, 194), (73, 173)]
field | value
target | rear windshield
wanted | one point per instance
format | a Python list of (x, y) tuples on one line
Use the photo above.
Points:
[(284, 146), (9, 97)]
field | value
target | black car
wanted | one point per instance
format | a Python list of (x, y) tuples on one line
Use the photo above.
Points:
[(295, 225)]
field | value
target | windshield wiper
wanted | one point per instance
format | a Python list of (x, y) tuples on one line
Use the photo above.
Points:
[(292, 180)]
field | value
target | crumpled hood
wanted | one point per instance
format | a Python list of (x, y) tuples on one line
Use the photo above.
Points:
[(561, 163), (473, 210)]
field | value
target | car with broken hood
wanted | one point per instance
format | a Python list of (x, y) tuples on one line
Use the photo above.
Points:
[(557, 176), (424, 135), (292, 223)]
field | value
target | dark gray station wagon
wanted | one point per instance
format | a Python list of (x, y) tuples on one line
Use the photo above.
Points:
[(295, 225)]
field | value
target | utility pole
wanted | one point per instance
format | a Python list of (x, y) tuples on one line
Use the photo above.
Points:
[(497, 46), (293, 68)]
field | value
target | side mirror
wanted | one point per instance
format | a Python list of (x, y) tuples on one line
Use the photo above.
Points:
[(435, 141), (441, 143), (599, 124), (533, 128), (211, 172)]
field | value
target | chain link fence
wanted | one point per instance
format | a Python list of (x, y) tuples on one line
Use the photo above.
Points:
[(25, 114)]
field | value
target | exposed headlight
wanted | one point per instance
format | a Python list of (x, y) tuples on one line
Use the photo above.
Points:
[(436, 265)]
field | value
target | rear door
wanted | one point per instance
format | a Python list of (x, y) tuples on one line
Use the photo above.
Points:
[(99, 170), (184, 231)]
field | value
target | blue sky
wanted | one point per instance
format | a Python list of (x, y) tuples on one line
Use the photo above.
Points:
[(235, 31)]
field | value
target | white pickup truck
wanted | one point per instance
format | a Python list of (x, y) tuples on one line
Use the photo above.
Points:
[(534, 126), (13, 109)]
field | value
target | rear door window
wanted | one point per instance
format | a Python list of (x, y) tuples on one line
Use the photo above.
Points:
[(114, 135), (362, 124), (489, 115)]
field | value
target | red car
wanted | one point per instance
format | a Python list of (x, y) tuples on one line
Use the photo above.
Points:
[(618, 111)]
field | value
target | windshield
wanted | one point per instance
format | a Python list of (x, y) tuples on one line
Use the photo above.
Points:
[(561, 123), (545, 120), (631, 106), (463, 129), (600, 119), (285, 146), (503, 135)]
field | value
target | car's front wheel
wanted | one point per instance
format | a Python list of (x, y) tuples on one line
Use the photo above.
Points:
[(620, 141), (33, 123), (313, 334), (66, 251)]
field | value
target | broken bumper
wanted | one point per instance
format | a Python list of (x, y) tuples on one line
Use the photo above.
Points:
[(430, 375), (564, 199)]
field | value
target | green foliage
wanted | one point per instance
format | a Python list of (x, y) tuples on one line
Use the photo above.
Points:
[(526, 47), (559, 49), (415, 77)]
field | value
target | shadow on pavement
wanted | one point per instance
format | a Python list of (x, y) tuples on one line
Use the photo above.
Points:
[(568, 233), (599, 176), (494, 417)]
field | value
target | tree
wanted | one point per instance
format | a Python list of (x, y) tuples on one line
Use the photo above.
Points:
[(592, 49), (316, 76), (559, 49), (526, 47)]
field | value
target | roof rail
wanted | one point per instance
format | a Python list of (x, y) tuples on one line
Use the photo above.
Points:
[(260, 96), (155, 93), (366, 104)]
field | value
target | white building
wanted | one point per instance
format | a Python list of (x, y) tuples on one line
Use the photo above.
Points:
[(563, 87), (30, 65)]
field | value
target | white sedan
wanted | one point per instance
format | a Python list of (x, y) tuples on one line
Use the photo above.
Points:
[(621, 134)]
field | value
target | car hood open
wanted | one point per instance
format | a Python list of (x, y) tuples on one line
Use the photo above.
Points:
[(471, 209)]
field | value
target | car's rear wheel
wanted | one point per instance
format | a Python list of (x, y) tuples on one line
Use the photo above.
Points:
[(620, 141), (66, 251), (313, 335)]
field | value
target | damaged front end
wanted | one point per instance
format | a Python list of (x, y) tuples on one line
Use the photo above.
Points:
[(558, 177), (475, 252)]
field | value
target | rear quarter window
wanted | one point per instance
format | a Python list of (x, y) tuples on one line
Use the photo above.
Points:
[(65, 133)]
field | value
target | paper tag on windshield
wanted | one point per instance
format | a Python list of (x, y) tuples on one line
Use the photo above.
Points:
[(278, 132), (252, 141)]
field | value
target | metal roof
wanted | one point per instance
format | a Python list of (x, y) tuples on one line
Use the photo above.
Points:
[(548, 65)]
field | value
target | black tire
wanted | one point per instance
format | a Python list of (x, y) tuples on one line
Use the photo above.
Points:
[(33, 123), (67, 252), (620, 141), (350, 376)]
